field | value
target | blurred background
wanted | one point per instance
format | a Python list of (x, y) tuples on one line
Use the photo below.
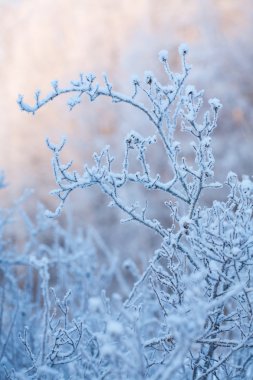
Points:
[(44, 40)]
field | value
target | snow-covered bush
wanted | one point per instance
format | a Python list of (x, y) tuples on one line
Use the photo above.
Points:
[(189, 315), (54, 306)]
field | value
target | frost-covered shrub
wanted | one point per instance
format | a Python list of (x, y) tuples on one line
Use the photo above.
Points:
[(189, 315), (53, 299)]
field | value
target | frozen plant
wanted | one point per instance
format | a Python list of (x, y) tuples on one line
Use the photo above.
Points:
[(193, 303), (53, 304)]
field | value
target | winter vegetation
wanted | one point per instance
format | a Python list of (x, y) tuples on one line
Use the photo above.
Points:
[(71, 309)]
